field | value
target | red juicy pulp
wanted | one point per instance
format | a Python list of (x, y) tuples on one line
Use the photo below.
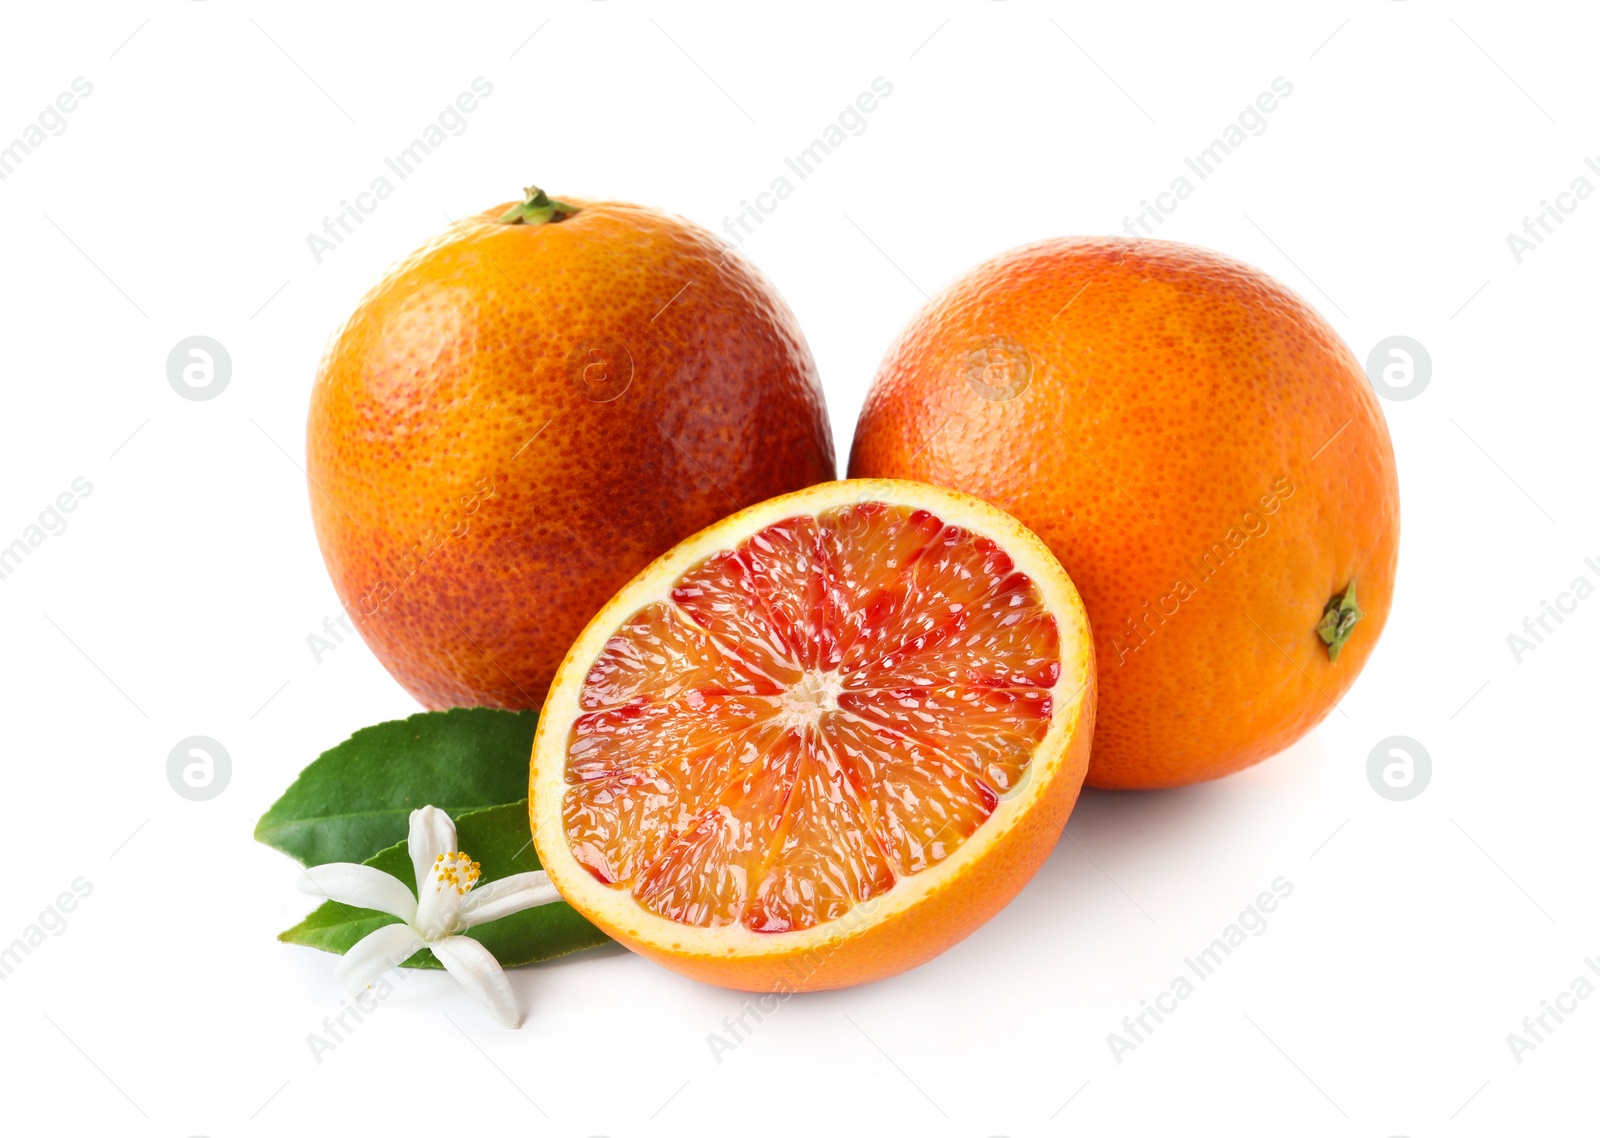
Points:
[(839, 702)]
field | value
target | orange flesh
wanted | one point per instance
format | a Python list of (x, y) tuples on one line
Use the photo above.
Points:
[(838, 703)]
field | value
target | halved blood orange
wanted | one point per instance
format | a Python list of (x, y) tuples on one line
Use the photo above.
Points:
[(819, 742)]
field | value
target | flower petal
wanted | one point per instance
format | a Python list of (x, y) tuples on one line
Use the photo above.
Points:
[(376, 953), (506, 896), (480, 973), (361, 886), (432, 834)]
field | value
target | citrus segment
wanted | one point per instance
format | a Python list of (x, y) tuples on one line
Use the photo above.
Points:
[(797, 718), (786, 806)]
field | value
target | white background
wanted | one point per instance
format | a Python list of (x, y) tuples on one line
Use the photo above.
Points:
[(178, 601)]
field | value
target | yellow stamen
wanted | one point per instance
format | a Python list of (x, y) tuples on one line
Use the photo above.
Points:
[(456, 869)]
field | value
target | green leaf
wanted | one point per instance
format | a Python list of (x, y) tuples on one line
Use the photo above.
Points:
[(498, 840), (356, 799)]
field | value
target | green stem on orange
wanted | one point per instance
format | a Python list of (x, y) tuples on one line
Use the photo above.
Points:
[(537, 209), (1339, 618)]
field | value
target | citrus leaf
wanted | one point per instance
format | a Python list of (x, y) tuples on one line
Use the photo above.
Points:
[(356, 799), (498, 840)]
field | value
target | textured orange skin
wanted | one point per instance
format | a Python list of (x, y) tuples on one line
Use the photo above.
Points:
[(475, 506), (1171, 387), (918, 934)]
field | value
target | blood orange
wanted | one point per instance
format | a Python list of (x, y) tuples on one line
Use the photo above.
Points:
[(820, 741), (1203, 453), (536, 404)]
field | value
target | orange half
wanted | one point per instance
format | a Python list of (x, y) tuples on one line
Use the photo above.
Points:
[(819, 742)]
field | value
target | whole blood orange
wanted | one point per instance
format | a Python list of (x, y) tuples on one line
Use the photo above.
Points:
[(1203, 454), (525, 412), (820, 741)]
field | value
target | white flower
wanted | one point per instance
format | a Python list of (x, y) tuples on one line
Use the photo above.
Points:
[(448, 904)]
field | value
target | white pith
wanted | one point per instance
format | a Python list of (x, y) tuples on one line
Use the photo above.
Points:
[(811, 695)]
